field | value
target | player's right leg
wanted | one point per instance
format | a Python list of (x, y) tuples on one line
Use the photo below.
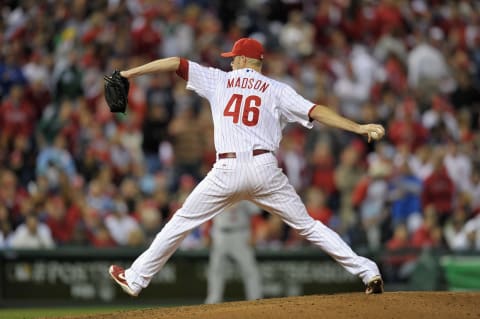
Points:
[(210, 197)]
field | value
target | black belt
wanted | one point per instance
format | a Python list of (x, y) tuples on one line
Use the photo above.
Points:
[(234, 155)]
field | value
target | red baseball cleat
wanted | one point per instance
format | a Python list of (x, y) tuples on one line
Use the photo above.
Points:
[(118, 274), (375, 286)]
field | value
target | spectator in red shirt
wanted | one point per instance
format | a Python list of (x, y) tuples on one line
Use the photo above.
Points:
[(16, 115), (405, 128), (388, 16), (439, 190), (322, 167), (38, 95), (316, 205), (429, 234), (97, 233), (399, 258), (399, 240), (61, 219), (12, 195), (146, 39), (315, 202)]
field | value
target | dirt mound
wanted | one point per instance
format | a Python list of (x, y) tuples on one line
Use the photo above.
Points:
[(389, 305)]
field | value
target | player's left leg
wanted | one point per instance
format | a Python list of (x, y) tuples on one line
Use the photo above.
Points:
[(275, 194)]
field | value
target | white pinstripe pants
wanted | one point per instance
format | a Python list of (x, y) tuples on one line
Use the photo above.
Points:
[(256, 178)]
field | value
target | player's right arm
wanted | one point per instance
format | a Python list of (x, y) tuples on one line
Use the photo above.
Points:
[(161, 65), (295, 108), (327, 116)]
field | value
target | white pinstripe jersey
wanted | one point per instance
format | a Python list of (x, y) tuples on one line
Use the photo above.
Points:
[(249, 110)]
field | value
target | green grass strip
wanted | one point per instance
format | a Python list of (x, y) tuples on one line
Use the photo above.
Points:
[(34, 313)]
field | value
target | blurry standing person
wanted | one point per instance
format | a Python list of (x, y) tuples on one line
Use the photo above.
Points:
[(232, 240)]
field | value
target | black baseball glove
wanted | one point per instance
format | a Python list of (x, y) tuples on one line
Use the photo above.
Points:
[(116, 92)]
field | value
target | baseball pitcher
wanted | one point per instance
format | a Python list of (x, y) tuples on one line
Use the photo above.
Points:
[(249, 111)]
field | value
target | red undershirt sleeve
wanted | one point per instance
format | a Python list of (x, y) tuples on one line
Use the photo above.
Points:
[(310, 118), (182, 70)]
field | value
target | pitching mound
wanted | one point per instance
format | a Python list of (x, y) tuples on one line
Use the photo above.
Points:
[(390, 305)]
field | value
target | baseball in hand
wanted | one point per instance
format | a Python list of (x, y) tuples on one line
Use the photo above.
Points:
[(374, 135)]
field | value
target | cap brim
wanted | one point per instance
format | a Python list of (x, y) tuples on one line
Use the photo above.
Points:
[(227, 54)]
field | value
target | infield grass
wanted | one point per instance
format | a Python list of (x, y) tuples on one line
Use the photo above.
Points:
[(34, 313)]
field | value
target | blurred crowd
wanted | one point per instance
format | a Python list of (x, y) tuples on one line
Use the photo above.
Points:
[(72, 173)]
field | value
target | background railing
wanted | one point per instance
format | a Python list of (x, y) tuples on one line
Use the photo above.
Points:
[(79, 275)]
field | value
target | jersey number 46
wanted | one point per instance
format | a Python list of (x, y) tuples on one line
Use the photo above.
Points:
[(250, 109)]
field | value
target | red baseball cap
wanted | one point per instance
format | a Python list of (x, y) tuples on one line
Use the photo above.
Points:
[(248, 47)]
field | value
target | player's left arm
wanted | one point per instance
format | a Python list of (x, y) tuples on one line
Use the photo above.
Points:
[(161, 65), (325, 115), (201, 79)]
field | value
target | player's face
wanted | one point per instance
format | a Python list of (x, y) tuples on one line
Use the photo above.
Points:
[(238, 62)]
